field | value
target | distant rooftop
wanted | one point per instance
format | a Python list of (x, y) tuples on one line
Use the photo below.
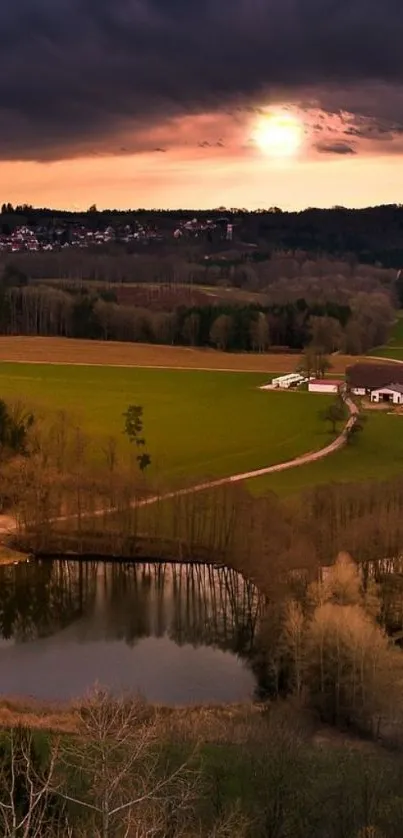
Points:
[(374, 376), (337, 381), (397, 388)]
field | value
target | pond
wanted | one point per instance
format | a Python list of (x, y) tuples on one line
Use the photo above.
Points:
[(176, 634)]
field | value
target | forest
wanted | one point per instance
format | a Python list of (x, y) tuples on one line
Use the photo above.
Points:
[(285, 302)]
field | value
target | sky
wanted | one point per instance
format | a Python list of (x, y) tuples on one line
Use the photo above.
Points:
[(201, 103)]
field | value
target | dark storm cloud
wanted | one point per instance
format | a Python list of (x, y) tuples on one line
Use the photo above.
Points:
[(77, 74), (369, 128), (335, 148)]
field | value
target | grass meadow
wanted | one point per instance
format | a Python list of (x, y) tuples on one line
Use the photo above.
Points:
[(394, 347), (395, 353), (197, 424), (207, 424), (377, 454)]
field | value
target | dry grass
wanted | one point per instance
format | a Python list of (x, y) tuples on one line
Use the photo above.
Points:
[(36, 716), (213, 723), (234, 724), (69, 351)]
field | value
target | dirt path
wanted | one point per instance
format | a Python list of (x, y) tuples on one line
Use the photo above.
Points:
[(384, 360), (8, 525), (303, 459)]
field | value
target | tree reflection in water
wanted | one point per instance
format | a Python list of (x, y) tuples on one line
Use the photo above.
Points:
[(194, 604)]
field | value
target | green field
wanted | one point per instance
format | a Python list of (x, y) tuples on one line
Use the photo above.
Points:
[(197, 424), (394, 346), (376, 455), (396, 337), (392, 352)]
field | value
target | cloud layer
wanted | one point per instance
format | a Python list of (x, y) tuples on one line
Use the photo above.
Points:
[(77, 76)]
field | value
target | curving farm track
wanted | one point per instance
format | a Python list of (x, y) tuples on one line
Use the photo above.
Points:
[(9, 525)]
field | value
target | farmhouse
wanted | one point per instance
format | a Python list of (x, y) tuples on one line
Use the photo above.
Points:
[(364, 379), (322, 385)]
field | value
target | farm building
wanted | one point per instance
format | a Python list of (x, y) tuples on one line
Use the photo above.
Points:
[(284, 382), (321, 385), (393, 393), (363, 379)]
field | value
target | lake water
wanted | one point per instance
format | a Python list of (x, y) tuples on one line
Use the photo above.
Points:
[(177, 634)]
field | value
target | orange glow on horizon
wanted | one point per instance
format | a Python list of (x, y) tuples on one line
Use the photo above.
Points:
[(206, 161)]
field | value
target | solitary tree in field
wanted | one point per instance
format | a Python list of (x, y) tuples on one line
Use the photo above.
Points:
[(356, 428), (334, 413), (133, 429)]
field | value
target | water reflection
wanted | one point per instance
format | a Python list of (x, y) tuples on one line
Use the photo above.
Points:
[(178, 633)]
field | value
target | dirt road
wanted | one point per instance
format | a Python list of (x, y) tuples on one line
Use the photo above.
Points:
[(302, 460), (8, 525)]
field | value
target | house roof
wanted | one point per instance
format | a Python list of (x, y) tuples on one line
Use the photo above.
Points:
[(323, 381), (374, 376), (396, 388)]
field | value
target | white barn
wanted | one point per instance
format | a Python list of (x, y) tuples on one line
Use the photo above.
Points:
[(392, 393), (366, 378), (323, 385)]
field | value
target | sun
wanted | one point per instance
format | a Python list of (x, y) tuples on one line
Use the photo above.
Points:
[(278, 135)]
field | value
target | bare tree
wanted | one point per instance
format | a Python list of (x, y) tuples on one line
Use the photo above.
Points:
[(294, 626), (350, 672), (27, 787), (116, 760)]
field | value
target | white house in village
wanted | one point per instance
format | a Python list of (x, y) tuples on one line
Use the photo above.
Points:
[(392, 393), (323, 385)]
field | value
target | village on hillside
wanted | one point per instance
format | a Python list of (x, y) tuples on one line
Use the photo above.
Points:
[(92, 232)]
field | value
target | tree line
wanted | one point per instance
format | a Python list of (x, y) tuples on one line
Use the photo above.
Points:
[(353, 327)]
